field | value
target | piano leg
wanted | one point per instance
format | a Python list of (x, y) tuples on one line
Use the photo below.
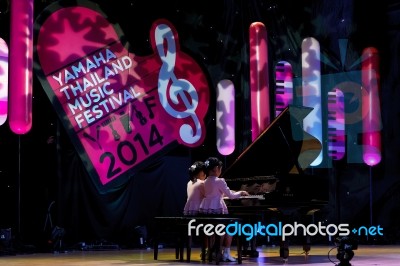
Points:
[(284, 250), (307, 245), (252, 244), (308, 218)]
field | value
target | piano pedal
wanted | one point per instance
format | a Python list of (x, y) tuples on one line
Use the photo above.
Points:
[(250, 253), (254, 254)]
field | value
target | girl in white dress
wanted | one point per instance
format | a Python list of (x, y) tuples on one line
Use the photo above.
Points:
[(216, 189), (195, 188)]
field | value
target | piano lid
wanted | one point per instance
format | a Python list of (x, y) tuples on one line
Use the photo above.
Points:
[(282, 148)]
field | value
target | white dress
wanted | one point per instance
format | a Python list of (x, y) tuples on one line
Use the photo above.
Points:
[(195, 194), (216, 189)]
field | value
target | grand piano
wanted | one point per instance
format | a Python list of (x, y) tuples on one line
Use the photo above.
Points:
[(275, 170)]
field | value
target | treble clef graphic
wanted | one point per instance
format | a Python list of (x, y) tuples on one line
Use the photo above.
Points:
[(177, 87)]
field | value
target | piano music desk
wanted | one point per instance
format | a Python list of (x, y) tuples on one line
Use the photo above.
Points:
[(180, 225)]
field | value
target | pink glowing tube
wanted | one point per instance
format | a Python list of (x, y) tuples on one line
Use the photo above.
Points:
[(259, 87), (225, 117), (311, 89), (21, 51), (284, 86), (371, 107), (336, 124), (3, 81)]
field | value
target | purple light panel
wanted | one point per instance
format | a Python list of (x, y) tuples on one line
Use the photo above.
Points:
[(225, 117), (284, 86), (336, 124)]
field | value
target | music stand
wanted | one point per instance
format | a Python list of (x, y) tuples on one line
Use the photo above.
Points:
[(56, 233)]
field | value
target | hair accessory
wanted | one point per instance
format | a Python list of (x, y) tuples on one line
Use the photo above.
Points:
[(211, 162), (192, 168)]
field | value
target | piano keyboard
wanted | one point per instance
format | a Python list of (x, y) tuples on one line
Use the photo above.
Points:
[(261, 197), (284, 86), (336, 127)]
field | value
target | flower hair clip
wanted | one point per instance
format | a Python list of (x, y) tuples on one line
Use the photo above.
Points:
[(193, 167), (207, 163)]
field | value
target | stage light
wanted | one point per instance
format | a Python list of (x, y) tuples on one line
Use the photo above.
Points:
[(345, 247)]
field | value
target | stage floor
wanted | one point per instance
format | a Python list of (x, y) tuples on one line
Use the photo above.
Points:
[(318, 256)]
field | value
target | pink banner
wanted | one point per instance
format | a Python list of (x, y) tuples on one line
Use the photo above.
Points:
[(122, 109)]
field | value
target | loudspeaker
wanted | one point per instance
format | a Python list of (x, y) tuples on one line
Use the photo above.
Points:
[(5, 238), (6, 242)]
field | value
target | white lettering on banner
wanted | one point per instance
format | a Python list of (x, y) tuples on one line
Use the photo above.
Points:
[(99, 102), (91, 97), (82, 68), (169, 87), (73, 89)]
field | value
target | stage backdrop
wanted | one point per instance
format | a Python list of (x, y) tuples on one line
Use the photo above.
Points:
[(133, 132), (122, 111)]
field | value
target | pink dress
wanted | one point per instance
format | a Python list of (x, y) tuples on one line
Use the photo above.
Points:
[(215, 190), (195, 193)]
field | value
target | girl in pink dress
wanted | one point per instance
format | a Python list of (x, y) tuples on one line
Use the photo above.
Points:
[(216, 189), (195, 192), (195, 188)]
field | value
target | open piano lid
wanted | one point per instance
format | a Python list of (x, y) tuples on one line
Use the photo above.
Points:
[(282, 148)]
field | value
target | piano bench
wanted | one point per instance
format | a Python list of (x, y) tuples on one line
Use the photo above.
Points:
[(175, 227), (180, 225)]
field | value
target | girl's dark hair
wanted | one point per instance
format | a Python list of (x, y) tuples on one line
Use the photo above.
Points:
[(211, 162), (196, 168)]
